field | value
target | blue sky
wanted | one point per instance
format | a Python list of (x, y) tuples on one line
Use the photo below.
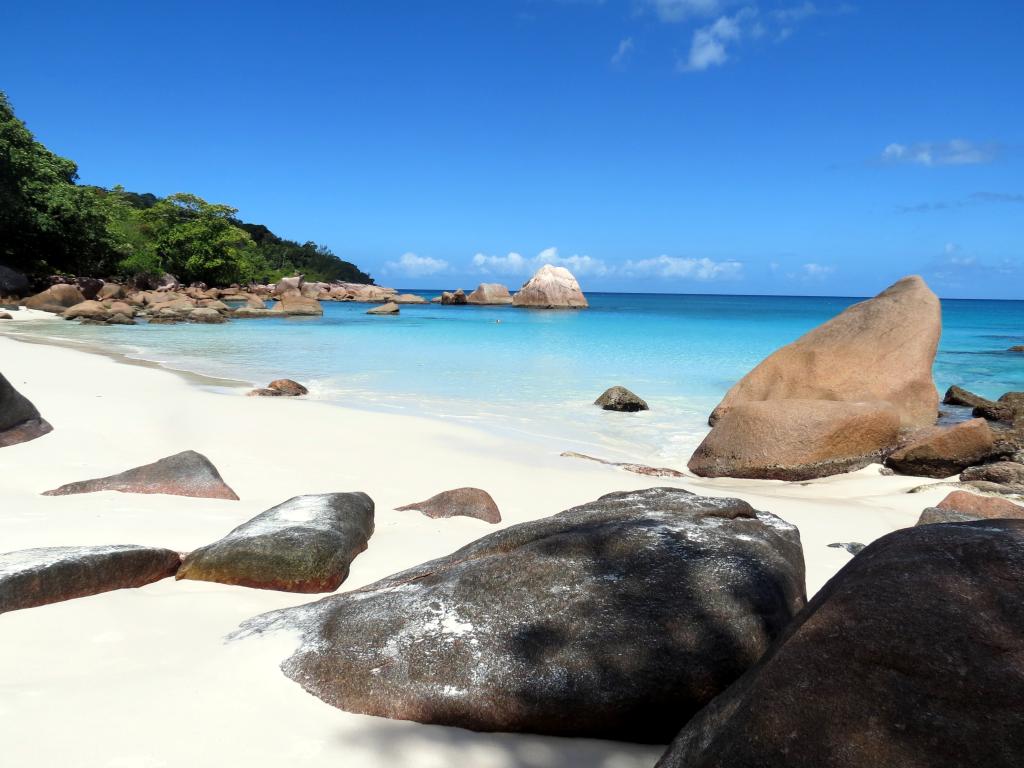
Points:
[(704, 146)]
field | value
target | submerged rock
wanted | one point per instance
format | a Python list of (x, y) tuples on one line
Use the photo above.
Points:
[(618, 619), (911, 656), (882, 349), (945, 451), (32, 577), (460, 502), (19, 419), (620, 399), (796, 439), (551, 288), (305, 544), (490, 293), (184, 474)]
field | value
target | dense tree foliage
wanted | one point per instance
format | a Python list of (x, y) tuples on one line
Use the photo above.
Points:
[(49, 224)]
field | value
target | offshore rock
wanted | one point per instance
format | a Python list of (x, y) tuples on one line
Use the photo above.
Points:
[(490, 293), (620, 399), (305, 544), (551, 288), (618, 619)]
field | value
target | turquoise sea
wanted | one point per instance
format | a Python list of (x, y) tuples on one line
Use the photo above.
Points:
[(537, 372)]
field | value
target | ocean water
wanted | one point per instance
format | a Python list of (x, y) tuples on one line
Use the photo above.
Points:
[(537, 372)]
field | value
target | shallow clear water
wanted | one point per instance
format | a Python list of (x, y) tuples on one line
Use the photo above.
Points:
[(539, 371)]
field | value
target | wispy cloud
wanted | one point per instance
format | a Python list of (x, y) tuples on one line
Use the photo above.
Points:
[(708, 46), (975, 198), (516, 264), (817, 271), (681, 10), (677, 267), (411, 265), (622, 52), (955, 269), (935, 153)]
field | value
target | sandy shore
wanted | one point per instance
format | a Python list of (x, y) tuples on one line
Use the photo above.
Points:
[(143, 677)]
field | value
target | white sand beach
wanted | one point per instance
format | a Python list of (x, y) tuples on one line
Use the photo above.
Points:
[(143, 677)]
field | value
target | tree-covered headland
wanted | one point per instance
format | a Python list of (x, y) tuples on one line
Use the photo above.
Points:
[(52, 225)]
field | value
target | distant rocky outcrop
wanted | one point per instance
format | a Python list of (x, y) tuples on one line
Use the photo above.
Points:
[(911, 656), (55, 299), (551, 288), (184, 474), (19, 419), (943, 451), (408, 298), (33, 577), (620, 399), (881, 349), (460, 502), (390, 308), (796, 439), (453, 297), (963, 506), (490, 293), (305, 544), (619, 619), (1016, 348)]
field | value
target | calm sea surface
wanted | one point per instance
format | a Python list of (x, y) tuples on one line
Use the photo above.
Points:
[(538, 371)]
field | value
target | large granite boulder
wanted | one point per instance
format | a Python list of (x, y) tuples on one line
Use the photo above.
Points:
[(878, 350), (305, 544), (618, 619), (551, 288), (19, 419), (945, 451), (110, 292), (1002, 472), (288, 285), (620, 399), (490, 293), (912, 656), (294, 303), (32, 577), (796, 439), (184, 474), (962, 506), (408, 298), (454, 297), (460, 502), (390, 308), (12, 282), (56, 298)]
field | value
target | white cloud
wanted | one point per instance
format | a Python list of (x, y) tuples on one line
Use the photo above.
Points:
[(795, 13), (931, 153), (622, 53), (411, 265), (676, 267), (708, 47), (817, 271), (517, 264), (680, 10)]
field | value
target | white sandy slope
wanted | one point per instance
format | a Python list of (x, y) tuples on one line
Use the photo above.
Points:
[(143, 677)]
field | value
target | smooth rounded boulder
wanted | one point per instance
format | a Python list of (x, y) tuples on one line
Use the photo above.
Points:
[(34, 577), (796, 439), (962, 506), (911, 656), (881, 349), (19, 419), (551, 288), (460, 502), (184, 474), (305, 544), (618, 619), (390, 308), (945, 451), (490, 293), (620, 399), (56, 298), (293, 303)]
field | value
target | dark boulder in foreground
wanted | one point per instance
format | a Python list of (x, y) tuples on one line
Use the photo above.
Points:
[(620, 399), (460, 502), (32, 577), (305, 544), (618, 619), (912, 656), (184, 474), (796, 439), (945, 451), (19, 419)]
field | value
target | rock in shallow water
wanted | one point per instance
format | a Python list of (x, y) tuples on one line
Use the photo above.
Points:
[(620, 399), (912, 656), (551, 288), (184, 474), (305, 544), (32, 577), (460, 502), (617, 619), (19, 419)]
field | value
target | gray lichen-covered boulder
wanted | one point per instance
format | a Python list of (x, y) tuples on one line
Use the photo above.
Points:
[(911, 656), (19, 419), (796, 439), (305, 544), (618, 619), (184, 474), (32, 577), (460, 502), (620, 399), (945, 451)]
